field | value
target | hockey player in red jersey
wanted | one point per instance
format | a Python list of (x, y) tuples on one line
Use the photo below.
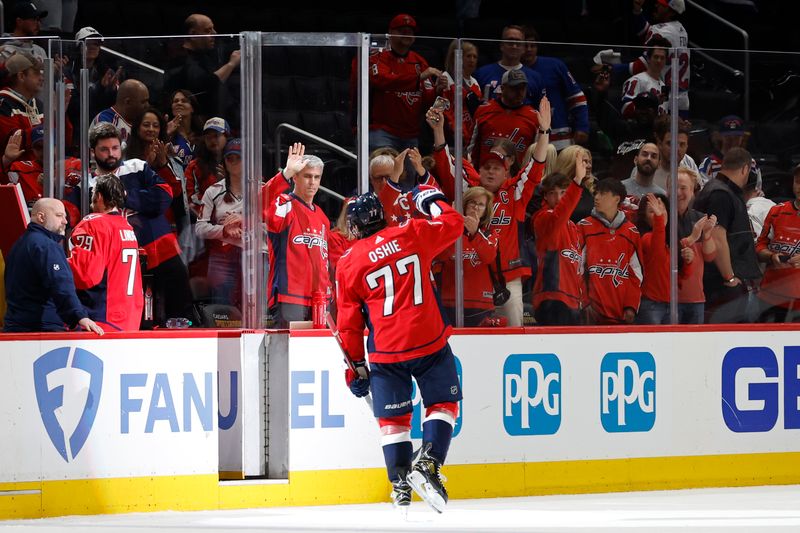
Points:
[(105, 260), (298, 238), (611, 252), (384, 281)]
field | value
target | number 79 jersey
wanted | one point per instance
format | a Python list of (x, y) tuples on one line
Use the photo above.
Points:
[(105, 265), (384, 281)]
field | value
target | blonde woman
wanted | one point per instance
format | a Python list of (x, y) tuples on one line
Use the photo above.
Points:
[(479, 246)]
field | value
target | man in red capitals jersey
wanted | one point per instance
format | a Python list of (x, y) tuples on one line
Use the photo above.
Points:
[(779, 247), (105, 260), (400, 87), (384, 281), (511, 195), (611, 251), (298, 237), (508, 117), (558, 287)]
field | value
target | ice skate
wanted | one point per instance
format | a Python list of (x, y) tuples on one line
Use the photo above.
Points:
[(401, 496), (427, 481)]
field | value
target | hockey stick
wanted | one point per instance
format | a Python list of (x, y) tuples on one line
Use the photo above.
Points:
[(361, 371)]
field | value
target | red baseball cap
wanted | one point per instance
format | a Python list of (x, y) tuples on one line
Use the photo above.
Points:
[(494, 154), (403, 20)]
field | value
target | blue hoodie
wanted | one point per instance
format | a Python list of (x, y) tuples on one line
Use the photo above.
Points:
[(40, 291)]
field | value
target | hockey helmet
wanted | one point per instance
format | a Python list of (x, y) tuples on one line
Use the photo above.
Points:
[(365, 215)]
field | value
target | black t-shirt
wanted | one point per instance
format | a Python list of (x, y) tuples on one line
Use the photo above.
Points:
[(719, 203)]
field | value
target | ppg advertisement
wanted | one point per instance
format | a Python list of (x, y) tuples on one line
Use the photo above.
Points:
[(110, 408), (570, 397)]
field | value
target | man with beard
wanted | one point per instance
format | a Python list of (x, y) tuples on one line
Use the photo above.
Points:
[(641, 183), (40, 288), (147, 199)]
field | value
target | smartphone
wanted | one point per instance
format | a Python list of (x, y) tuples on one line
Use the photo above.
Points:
[(441, 103)]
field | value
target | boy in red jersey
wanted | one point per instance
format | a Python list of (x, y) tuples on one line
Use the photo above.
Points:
[(383, 281), (558, 287), (105, 260), (779, 247), (611, 252)]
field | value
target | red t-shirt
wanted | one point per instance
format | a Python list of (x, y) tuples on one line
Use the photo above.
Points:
[(389, 275), (105, 265)]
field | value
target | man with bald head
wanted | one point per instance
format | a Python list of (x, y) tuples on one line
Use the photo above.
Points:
[(203, 71), (40, 290), (133, 98)]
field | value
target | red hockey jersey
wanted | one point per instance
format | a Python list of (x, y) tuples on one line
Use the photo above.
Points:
[(508, 212), (558, 252), (611, 267), (388, 276), (105, 265), (396, 203), (495, 121), (478, 253), (397, 97), (781, 235), (298, 251)]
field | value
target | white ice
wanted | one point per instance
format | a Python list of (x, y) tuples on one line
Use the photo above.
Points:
[(742, 509)]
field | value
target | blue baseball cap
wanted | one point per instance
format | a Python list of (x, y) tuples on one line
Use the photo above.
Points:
[(234, 146), (37, 135)]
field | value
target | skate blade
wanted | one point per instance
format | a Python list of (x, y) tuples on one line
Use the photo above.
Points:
[(426, 491), (402, 511)]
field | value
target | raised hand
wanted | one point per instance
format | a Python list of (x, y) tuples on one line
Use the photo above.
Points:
[(656, 204), (581, 164), (294, 160), (172, 125), (416, 160), (14, 148), (544, 113), (399, 166)]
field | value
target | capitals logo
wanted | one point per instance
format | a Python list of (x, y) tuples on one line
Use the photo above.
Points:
[(574, 256), (616, 271), (68, 383)]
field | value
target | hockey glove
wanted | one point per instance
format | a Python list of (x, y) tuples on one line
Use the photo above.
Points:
[(424, 196), (358, 385)]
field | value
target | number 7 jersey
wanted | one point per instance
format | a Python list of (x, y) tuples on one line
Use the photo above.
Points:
[(105, 265), (384, 281)]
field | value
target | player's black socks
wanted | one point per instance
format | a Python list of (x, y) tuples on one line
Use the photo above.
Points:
[(438, 433), (398, 459)]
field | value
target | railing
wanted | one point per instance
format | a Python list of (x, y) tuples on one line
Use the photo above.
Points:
[(745, 49), (335, 147)]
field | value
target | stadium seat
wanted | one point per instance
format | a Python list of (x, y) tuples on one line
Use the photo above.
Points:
[(279, 92), (312, 93)]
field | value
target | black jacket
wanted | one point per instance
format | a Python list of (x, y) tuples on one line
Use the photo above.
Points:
[(40, 290)]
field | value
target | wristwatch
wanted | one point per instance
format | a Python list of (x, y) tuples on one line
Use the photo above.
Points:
[(731, 280), (547, 131)]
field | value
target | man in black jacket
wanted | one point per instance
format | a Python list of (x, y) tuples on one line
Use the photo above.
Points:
[(731, 279), (40, 290)]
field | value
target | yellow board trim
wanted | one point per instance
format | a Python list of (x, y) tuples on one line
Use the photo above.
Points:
[(330, 487)]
